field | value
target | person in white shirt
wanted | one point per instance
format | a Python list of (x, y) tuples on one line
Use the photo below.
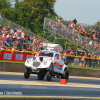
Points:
[(23, 34)]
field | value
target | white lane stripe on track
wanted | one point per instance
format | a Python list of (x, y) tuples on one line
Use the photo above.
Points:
[(48, 97), (14, 82)]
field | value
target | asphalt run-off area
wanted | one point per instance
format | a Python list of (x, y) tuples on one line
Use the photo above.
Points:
[(14, 85)]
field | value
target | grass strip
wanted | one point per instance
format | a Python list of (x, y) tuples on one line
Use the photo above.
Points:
[(75, 66), (12, 61)]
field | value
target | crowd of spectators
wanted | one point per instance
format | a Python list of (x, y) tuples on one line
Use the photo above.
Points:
[(16, 39), (90, 39)]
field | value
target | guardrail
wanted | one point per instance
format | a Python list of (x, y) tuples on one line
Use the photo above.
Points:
[(15, 55)]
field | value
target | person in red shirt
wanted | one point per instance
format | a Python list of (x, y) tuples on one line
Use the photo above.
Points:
[(39, 41), (9, 48), (4, 40)]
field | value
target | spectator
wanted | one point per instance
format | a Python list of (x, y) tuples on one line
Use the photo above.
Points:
[(8, 39), (9, 48), (4, 28), (67, 25), (71, 26), (8, 30), (23, 34), (83, 30), (0, 27), (89, 59), (14, 48), (74, 21), (25, 43), (90, 42), (69, 48), (12, 31), (4, 40), (85, 60), (97, 61), (1, 42), (63, 25), (59, 20), (82, 61), (97, 26), (91, 30), (29, 38)]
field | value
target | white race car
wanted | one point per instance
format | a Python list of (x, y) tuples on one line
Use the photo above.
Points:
[(46, 63)]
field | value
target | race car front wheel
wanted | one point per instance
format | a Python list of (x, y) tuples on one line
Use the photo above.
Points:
[(49, 76), (65, 75), (27, 73)]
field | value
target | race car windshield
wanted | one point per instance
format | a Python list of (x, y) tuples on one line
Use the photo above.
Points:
[(49, 54)]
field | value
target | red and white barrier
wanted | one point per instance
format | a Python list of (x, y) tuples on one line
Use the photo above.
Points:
[(15, 56)]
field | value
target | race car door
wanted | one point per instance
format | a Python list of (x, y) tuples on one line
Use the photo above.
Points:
[(58, 63)]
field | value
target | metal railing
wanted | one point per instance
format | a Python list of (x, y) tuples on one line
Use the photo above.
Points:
[(71, 35), (13, 25), (92, 62)]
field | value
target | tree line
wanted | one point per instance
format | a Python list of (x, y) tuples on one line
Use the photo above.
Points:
[(30, 14)]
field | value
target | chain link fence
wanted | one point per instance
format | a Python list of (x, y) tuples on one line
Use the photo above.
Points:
[(85, 62)]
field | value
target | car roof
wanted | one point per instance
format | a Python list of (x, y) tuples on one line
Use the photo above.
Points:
[(50, 51)]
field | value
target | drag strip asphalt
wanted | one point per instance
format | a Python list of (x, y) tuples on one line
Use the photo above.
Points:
[(85, 87)]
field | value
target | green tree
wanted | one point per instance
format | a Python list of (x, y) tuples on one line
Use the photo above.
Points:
[(4, 4), (31, 13)]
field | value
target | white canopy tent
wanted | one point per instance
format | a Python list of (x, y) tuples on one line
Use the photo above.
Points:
[(50, 46)]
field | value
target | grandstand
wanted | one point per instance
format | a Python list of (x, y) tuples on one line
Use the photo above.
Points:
[(52, 26), (13, 25), (20, 40)]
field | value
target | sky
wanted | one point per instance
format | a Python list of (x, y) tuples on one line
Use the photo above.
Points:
[(85, 11)]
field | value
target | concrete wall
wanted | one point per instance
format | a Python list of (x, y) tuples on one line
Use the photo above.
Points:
[(20, 67), (84, 72), (12, 67)]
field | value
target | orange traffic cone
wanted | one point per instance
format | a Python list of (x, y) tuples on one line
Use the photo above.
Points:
[(63, 81)]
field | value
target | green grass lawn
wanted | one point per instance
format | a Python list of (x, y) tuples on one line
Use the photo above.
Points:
[(12, 61), (82, 67), (67, 65)]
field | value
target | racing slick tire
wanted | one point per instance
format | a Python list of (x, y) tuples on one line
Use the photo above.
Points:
[(41, 77), (49, 76), (27, 73), (65, 75)]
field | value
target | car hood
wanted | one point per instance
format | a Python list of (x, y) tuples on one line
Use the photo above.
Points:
[(44, 58)]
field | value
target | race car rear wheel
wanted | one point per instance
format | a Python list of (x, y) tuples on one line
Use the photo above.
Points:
[(65, 75), (49, 76), (27, 73)]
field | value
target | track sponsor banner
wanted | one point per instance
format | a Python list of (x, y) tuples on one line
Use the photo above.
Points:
[(76, 61), (15, 56), (7, 56)]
